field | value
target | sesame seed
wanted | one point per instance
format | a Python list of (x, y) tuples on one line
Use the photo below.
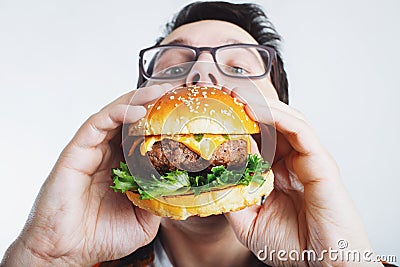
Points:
[(158, 108), (226, 112), (171, 97)]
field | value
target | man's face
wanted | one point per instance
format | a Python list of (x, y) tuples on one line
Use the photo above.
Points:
[(213, 33)]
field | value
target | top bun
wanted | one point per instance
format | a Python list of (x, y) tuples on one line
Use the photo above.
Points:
[(194, 110)]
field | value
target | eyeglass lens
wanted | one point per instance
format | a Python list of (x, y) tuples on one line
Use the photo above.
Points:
[(237, 61)]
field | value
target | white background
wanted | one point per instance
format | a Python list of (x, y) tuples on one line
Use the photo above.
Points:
[(61, 61)]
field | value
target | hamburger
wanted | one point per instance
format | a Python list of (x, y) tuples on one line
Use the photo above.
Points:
[(190, 155)]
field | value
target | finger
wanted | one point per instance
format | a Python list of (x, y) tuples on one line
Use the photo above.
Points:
[(243, 221), (309, 159), (253, 147), (112, 116), (283, 148), (248, 95), (147, 94), (87, 149), (270, 137), (296, 130), (285, 179), (148, 222), (266, 105), (287, 109), (281, 175), (142, 95), (95, 129)]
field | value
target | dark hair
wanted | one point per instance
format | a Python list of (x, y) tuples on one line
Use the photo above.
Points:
[(249, 17)]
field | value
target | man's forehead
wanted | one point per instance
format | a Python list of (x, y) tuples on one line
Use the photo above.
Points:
[(208, 33)]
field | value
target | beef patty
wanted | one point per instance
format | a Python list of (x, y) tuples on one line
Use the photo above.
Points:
[(168, 155)]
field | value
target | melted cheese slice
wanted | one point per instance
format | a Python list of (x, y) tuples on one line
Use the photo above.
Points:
[(205, 147)]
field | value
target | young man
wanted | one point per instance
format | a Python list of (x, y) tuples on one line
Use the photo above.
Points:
[(78, 220)]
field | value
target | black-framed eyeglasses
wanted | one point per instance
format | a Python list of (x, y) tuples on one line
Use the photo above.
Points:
[(175, 61)]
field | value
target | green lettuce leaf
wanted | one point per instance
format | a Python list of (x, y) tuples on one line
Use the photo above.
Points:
[(179, 182), (198, 137), (123, 180)]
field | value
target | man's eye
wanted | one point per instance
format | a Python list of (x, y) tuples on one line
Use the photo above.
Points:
[(174, 71), (238, 70)]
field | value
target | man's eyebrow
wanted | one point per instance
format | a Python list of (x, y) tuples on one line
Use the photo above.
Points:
[(178, 41), (188, 42), (232, 41)]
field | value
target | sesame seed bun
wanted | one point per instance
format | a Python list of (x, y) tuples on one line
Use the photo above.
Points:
[(195, 110)]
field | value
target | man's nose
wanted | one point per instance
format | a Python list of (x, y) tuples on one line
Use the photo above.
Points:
[(204, 72)]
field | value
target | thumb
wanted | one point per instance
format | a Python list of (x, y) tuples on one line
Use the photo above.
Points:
[(146, 219), (243, 221)]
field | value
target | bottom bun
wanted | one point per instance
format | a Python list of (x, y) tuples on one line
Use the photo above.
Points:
[(180, 207)]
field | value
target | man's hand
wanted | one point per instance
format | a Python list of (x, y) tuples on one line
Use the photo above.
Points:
[(77, 219), (309, 208)]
